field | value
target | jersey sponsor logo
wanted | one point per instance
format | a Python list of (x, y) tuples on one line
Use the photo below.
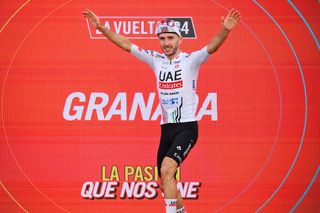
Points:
[(177, 156), (173, 116), (140, 27), (187, 150), (171, 85), (194, 84), (159, 56), (149, 52), (170, 102), (164, 29), (170, 93), (170, 76), (99, 106)]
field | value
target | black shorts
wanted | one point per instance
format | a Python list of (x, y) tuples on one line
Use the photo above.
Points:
[(176, 141)]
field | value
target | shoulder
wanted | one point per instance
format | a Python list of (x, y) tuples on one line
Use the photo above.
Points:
[(136, 48), (200, 53), (202, 50), (152, 53), (159, 56)]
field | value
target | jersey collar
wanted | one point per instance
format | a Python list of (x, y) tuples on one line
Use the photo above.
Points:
[(177, 58)]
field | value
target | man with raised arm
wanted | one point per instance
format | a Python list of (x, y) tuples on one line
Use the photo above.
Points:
[(176, 73)]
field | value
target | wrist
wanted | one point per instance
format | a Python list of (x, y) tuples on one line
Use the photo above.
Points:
[(225, 30), (99, 26)]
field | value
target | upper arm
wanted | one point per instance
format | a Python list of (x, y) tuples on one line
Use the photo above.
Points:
[(145, 56), (200, 56)]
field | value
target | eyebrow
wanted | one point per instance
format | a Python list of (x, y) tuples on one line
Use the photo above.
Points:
[(163, 37)]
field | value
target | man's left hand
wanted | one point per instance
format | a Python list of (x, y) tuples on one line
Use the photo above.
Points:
[(231, 20)]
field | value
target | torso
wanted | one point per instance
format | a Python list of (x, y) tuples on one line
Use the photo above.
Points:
[(176, 84)]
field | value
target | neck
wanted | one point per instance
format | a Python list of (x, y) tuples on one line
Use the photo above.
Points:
[(174, 55)]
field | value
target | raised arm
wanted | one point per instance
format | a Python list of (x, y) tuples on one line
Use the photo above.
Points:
[(228, 24), (117, 39)]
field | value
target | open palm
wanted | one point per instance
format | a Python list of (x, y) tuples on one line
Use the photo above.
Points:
[(231, 20)]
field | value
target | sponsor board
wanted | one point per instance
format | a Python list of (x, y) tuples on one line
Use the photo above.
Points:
[(135, 182), (140, 27), (78, 106)]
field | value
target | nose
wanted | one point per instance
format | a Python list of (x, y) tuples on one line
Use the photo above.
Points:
[(166, 42)]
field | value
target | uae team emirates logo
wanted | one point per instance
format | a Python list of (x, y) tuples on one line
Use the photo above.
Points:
[(136, 27)]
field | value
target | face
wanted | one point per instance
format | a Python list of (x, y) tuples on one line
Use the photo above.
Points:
[(169, 43)]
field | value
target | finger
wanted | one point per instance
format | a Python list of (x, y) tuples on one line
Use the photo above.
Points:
[(85, 13), (238, 18), (236, 15), (91, 13), (231, 12), (237, 11)]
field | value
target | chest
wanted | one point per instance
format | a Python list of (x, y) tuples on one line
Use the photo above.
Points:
[(172, 72)]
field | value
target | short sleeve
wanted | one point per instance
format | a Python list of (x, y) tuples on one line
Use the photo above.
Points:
[(200, 56), (146, 56)]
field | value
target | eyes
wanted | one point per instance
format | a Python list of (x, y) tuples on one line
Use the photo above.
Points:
[(169, 38)]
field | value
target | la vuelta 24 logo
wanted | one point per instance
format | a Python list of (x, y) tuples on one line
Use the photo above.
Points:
[(137, 27), (133, 182)]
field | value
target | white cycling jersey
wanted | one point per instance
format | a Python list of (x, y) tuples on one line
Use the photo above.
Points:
[(176, 82)]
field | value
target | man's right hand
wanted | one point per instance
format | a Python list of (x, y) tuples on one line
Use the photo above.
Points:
[(93, 18), (117, 39)]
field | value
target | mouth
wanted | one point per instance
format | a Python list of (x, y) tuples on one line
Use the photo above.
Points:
[(166, 49)]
